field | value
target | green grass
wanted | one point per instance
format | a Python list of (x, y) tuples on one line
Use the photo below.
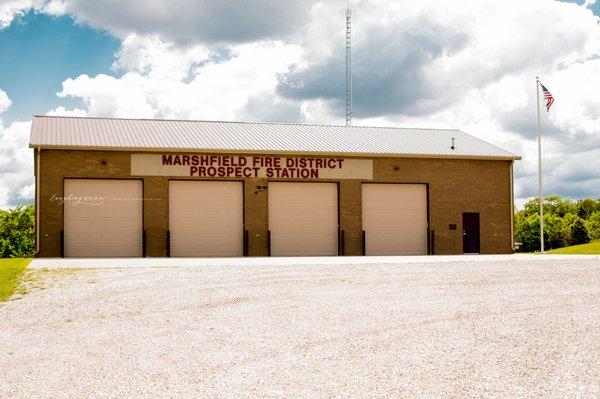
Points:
[(592, 248), (10, 271)]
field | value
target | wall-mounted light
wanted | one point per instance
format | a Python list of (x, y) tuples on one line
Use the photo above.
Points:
[(260, 188)]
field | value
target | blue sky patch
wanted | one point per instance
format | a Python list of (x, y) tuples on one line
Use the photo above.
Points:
[(38, 52), (595, 7)]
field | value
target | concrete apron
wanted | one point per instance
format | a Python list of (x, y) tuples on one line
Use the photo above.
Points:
[(103, 263)]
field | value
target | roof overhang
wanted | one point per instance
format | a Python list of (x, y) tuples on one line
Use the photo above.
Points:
[(512, 157)]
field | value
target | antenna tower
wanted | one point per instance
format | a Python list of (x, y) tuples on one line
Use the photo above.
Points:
[(348, 66)]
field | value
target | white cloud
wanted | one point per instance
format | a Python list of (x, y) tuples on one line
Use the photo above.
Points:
[(9, 10), (160, 60), (27, 193), (163, 81), (105, 95), (576, 111), (16, 165), (16, 161), (4, 101), (62, 111), (193, 21), (12, 9)]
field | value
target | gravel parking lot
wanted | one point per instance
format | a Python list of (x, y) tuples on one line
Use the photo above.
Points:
[(456, 329)]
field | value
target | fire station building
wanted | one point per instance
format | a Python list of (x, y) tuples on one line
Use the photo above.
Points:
[(133, 187)]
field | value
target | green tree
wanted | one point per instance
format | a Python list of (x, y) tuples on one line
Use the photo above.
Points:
[(527, 231), (560, 223), (579, 234), (556, 232), (553, 205), (587, 206), (577, 231), (17, 227), (593, 226)]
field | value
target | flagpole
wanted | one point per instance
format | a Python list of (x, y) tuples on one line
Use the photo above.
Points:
[(540, 191)]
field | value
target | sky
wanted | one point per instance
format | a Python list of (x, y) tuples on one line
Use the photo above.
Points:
[(463, 64)]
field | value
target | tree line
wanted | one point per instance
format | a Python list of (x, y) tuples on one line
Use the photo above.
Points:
[(566, 222)]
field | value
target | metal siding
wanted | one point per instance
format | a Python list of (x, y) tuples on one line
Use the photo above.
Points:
[(140, 134), (106, 227), (303, 219), (394, 218), (206, 218)]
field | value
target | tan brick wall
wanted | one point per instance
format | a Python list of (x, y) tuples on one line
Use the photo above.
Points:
[(454, 187)]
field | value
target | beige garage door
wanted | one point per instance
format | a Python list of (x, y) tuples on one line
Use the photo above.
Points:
[(394, 218), (303, 219), (206, 218), (103, 218)]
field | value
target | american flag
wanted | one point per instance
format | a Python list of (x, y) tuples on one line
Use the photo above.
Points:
[(548, 97)]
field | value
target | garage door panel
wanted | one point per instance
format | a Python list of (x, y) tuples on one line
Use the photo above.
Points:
[(303, 219), (103, 218), (206, 218), (395, 219)]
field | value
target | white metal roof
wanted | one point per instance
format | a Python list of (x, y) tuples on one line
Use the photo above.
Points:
[(241, 137)]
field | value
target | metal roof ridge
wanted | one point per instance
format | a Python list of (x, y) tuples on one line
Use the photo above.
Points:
[(248, 123)]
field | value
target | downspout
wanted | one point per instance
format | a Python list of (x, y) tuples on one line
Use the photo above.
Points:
[(37, 201), (512, 209)]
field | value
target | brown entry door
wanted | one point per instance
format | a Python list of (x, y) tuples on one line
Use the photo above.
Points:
[(470, 233)]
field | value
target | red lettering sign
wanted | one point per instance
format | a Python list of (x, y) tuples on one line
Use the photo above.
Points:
[(254, 166)]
